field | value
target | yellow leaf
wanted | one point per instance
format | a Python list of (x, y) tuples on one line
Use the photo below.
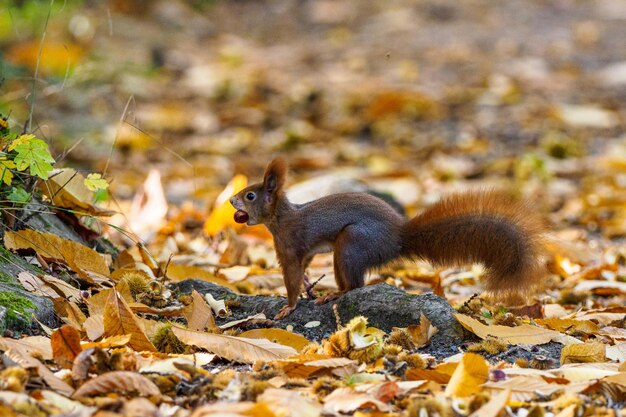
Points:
[(120, 320), (280, 336), (6, 175), (235, 348), (95, 182), (223, 212), (22, 139), (52, 247), (524, 334), (468, 376), (584, 352)]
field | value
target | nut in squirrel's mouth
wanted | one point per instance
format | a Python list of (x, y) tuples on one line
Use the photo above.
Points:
[(241, 216)]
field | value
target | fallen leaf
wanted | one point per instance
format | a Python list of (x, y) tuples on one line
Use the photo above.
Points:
[(286, 402), (617, 352), (235, 348), (65, 344), (280, 336), (303, 366), (565, 325), (123, 382), (346, 400), (27, 361), (585, 352), (471, 372), (199, 314), (54, 248), (494, 406), (524, 334), (28, 346), (223, 212), (120, 320), (427, 375)]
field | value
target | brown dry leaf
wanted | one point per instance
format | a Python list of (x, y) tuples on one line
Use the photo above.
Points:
[(27, 361), (31, 345), (235, 348), (619, 379), (494, 406), (123, 382), (303, 366), (346, 400), (120, 320), (94, 327), (524, 334), (584, 353), (471, 372), (568, 325), (286, 402), (198, 314), (280, 336), (70, 313), (52, 247), (37, 286), (525, 388), (66, 188), (422, 333), (65, 344)]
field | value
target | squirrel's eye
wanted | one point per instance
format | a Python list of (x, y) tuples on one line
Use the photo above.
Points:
[(250, 196)]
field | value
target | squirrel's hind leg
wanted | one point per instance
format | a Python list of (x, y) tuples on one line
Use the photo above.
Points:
[(348, 262)]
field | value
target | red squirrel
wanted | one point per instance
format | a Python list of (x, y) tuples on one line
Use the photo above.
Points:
[(365, 232)]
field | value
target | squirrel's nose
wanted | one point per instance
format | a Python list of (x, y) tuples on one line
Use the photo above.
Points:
[(232, 200)]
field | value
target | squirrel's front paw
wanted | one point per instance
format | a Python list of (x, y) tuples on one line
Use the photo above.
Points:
[(284, 312)]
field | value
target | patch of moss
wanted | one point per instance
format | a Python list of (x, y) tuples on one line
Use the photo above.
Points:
[(6, 278), (18, 308)]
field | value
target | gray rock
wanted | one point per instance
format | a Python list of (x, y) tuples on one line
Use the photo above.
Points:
[(385, 307)]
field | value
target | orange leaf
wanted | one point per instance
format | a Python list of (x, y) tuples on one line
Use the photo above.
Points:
[(65, 344)]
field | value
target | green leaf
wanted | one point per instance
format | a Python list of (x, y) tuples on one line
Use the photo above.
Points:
[(95, 182), (19, 195), (6, 175), (33, 154), (101, 195)]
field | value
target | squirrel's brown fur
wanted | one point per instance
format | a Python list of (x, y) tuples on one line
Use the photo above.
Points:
[(365, 232)]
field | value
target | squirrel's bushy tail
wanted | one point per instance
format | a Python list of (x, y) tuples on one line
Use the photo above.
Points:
[(491, 228)]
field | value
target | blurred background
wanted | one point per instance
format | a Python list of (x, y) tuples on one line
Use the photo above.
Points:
[(408, 98)]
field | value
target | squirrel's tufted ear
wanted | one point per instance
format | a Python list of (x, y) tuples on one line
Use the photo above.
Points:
[(275, 175)]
